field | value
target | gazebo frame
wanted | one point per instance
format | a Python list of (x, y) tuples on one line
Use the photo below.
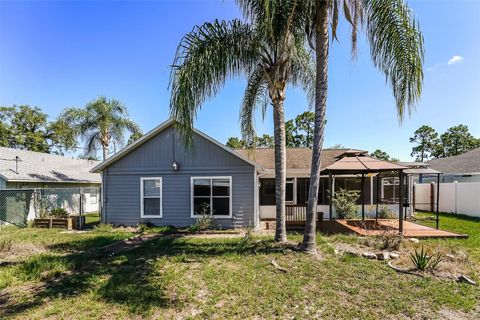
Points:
[(360, 163)]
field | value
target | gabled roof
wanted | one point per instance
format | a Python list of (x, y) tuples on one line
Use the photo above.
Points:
[(297, 158), (152, 133), (468, 162), (45, 167)]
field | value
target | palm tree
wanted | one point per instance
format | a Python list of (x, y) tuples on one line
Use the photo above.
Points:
[(101, 123), (271, 53), (396, 49)]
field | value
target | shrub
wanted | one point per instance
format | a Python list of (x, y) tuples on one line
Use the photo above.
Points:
[(420, 259), (205, 221), (59, 213), (345, 203), (435, 261), (385, 213), (390, 240)]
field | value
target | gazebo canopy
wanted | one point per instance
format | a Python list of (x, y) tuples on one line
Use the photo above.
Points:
[(362, 164)]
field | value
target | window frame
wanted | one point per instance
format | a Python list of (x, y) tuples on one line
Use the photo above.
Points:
[(142, 197), (211, 178)]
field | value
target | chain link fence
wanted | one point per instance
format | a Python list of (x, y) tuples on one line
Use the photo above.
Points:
[(17, 206)]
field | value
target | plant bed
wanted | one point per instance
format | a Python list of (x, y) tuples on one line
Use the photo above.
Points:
[(65, 223)]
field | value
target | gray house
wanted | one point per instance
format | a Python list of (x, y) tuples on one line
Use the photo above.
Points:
[(156, 179)]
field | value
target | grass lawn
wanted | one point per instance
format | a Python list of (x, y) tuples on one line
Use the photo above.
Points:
[(190, 277)]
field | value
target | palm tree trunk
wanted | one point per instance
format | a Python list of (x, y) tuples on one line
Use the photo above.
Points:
[(105, 152), (280, 164), (321, 86)]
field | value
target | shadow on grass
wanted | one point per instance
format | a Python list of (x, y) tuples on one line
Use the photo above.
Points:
[(128, 279)]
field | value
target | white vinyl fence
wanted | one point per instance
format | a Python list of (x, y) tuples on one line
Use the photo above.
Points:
[(455, 197)]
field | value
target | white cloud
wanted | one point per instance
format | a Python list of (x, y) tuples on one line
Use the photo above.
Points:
[(455, 59)]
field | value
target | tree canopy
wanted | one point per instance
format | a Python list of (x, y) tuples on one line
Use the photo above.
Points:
[(298, 131), (454, 141), (27, 127), (101, 125)]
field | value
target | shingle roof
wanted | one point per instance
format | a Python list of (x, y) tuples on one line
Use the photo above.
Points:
[(297, 158), (44, 167), (468, 162)]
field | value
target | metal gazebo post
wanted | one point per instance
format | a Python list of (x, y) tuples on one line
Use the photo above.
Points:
[(330, 195), (363, 196), (400, 202), (378, 197), (438, 196)]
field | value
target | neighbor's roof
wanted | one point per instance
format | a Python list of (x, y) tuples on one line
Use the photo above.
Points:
[(155, 131), (45, 167), (297, 158), (354, 164), (468, 162)]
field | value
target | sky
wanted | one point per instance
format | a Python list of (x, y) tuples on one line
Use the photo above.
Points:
[(57, 54)]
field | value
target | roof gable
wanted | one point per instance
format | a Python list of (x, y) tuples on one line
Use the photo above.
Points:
[(154, 133)]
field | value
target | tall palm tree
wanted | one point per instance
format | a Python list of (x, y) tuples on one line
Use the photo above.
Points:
[(396, 49), (101, 123), (271, 55)]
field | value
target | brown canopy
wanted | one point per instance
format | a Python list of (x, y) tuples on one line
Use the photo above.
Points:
[(362, 164)]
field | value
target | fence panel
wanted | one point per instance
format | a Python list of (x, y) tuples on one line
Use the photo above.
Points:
[(15, 206), (455, 197), (19, 205)]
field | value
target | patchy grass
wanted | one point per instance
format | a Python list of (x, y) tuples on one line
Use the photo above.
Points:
[(457, 223), (233, 278)]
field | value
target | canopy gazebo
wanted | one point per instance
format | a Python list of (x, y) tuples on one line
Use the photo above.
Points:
[(358, 162)]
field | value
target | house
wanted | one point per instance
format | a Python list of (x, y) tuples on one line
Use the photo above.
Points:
[(21, 169), (59, 178), (157, 179), (464, 167)]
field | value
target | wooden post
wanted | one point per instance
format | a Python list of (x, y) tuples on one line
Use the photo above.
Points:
[(400, 202)]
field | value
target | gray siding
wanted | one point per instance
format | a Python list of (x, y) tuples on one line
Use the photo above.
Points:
[(3, 184), (154, 158)]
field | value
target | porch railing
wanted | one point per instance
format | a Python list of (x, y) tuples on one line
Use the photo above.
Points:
[(295, 212)]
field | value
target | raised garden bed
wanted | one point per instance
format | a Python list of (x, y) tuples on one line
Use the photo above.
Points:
[(65, 223)]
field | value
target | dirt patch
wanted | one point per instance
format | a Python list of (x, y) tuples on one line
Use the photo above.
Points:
[(19, 251)]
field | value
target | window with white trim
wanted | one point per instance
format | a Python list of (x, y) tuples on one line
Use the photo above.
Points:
[(151, 197), (212, 195)]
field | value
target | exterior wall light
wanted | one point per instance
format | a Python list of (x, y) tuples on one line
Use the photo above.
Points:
[(175, 166)]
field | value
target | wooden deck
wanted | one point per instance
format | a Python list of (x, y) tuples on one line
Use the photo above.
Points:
[(370, 228)]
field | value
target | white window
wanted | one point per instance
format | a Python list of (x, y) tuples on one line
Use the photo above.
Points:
[(290, 191), (211, 195), (151, 197), (93, 198)]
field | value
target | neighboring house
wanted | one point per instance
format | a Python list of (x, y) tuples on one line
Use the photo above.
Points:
[(156, 179), (464, 167), (59, 178)]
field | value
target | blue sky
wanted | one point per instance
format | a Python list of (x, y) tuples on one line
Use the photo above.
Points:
[(56, 54)]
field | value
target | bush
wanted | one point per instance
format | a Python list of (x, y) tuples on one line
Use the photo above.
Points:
[(345, 203), (385, 213), (59, 213), (205, 221), (420, 259)]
